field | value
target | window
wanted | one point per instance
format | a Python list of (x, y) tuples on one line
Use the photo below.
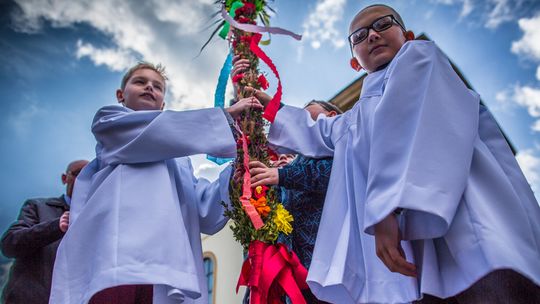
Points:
[(209, 264)]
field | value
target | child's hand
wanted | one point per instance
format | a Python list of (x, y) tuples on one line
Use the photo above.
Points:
[(239, 65), (388, 245), (262, 175), (243, 104), (64, 221), (238, 175), (261, 96)]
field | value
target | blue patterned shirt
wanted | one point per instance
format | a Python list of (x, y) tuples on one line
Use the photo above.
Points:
[(303, 183)]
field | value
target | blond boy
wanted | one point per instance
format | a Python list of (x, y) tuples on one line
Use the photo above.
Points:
[(138, 211)]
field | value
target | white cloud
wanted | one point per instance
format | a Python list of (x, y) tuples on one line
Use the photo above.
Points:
[(157, 31), (524, 96), (527, 96), (189, 16), (115, 59), (529, 162), (492, 13), (320, 24), (502, 12), (536, 126), (529, 44), (467, 6), (504, 103), (21, 121)]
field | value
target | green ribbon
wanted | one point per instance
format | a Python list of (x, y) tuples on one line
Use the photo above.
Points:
[(225, 29)]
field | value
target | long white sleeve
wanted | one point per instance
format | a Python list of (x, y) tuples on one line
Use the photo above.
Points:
[(422, 141), (128, 136)]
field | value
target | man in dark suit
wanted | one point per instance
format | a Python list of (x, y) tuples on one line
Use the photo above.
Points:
[(32, 241)]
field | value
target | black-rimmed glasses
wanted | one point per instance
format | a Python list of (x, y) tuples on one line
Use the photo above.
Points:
[(380, 24)]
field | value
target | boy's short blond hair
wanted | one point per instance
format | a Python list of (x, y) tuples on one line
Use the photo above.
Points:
[(159, 68)]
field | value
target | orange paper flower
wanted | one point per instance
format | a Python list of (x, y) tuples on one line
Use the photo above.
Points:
[(260, 205)]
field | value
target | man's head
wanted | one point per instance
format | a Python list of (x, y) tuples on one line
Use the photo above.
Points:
[(283, 160), (143, 87), (376, 34), (317, 107), (68, 178)]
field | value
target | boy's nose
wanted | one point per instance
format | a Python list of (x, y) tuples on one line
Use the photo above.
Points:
[(373, 35)]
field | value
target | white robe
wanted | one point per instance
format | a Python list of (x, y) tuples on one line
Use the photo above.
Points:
[(138, 211), (416, 140)]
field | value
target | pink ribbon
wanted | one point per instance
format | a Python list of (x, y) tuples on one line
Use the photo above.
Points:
[(256, 28), (282, 274), (246, 190), (273, 106)]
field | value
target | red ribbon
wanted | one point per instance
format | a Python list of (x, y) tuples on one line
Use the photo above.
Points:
[(273, 105), (246, 190), (282, 274)]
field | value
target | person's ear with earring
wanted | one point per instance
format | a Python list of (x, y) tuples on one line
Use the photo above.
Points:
[(355, 65)]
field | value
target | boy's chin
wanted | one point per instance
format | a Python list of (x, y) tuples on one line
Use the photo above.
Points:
[(377, 66), (146, 105)]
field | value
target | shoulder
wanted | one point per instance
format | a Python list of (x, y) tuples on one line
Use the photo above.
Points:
[(110, 110), (418, 47), (39, 202), (417, 50), (416, 55)]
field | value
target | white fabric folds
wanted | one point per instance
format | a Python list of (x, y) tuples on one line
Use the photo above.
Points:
[(138, 211), (418, 139)]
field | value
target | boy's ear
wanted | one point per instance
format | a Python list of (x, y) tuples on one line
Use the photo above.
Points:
[(409, 35), (162, 106), (64, 179), (120, 96), (355, 65)]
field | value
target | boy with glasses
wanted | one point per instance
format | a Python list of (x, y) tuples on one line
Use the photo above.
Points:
[(417, 158)]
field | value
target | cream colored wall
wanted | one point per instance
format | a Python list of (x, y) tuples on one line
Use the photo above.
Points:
[(228, 263)]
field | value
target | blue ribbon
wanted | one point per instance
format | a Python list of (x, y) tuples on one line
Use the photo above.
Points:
[(219, 99), (219, 96)]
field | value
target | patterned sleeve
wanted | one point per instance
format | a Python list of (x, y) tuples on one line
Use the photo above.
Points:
[(312, 174)]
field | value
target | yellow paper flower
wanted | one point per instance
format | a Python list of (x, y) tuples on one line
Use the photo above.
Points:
[(283, 219)]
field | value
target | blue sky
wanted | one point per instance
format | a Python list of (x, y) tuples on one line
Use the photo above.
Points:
[(61, 60)]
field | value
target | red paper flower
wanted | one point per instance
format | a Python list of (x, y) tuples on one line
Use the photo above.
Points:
[(259, 191), (242, 19), (246, 39), (239, 141), (249, 8), (246, 10), (237, 77), (272, 155), (263, 82)]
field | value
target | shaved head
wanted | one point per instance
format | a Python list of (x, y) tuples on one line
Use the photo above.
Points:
[(76, 164), (385, 7), (73, 169)]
